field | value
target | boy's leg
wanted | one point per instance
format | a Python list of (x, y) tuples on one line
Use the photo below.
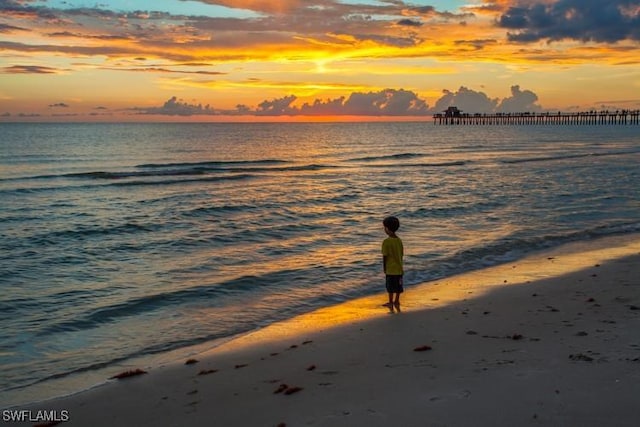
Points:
[(400, 289), (390, 303)]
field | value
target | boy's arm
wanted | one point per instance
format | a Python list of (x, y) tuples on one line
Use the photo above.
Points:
[(385, 252)]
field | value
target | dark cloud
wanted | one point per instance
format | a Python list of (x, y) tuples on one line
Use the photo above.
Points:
[(431, 12), (277, 107), (175, 107), (54, 15), (90, 50), (6, 28), (424, 10), (470, 101), (584, 20), (477, 44), (148, 29), (519, 101), (387, 40), (409, 23), (466, 100), (65, 115), (450, 16), (166, 70), (384, 103), (59, 105), (106, 37), (387, 102), (12, 7), (28, 69), (323, 108)]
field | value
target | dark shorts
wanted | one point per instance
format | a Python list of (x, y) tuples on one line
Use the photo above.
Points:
[(394, 284)]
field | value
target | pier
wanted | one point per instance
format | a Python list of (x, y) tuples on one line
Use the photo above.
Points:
[(454, 116)]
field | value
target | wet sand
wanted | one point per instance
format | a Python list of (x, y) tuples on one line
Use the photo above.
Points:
[(553, 339)]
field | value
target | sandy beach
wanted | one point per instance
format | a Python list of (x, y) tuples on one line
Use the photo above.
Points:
[(553, 339)]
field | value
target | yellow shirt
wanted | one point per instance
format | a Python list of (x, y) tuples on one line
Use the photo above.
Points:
[(393, 251)]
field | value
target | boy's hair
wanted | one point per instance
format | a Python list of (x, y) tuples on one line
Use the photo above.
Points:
[(392, 223)]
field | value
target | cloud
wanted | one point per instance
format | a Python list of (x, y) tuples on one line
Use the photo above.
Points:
[(430, 12), (6, 28), (264, 6), (387, 102), (391, 102), (175, 107), (424, 10), (476, 44), (466, 100), (113, 51), (104, 37), (165, 70), (59, 105), (321, 23), (65, 115), (303, 30), (16, 7), (410, 23), (383, 39), (298, 28), (277, 107), (583, 20), (520, 101), (28, 69), (383, 103), (470, 101)]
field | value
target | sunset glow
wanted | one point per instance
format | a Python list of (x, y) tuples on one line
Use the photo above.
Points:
[(255, 60)]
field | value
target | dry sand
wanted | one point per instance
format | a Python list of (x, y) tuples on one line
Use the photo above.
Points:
[(551, 340)]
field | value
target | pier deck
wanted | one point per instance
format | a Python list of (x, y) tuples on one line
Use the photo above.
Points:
[(624, 117)]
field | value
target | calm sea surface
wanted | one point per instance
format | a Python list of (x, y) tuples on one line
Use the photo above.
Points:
[(125, 240)]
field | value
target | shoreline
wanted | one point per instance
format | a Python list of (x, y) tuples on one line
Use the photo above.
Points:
[(357, 348)]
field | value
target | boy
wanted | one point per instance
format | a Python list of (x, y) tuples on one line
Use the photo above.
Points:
[(392, 253)]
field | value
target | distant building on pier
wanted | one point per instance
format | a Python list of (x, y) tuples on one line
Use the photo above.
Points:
[(452, 112)]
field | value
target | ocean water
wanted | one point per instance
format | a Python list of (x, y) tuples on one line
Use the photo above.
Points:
[(124, 240)]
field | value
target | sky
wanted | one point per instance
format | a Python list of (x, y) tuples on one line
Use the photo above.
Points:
[(261, 60)]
